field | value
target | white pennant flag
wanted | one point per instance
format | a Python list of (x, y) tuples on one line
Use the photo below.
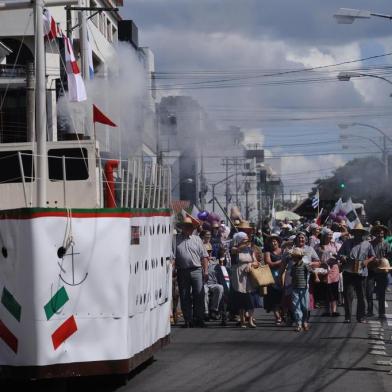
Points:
[(76, 87)]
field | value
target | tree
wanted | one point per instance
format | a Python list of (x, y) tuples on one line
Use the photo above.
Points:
[(363, 180)]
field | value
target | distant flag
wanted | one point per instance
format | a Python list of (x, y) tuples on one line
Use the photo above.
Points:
[(318, 219), (351, 214), (90, 58), (99, 117), (50, 26), (76, 87), (316, 200)]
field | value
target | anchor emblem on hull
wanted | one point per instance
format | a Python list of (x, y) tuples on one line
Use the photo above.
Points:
[(72, 255)]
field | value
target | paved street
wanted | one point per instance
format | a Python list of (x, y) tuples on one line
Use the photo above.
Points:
[(332, 356)]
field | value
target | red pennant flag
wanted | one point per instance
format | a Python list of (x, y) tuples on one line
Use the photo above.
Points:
[(99, 117)]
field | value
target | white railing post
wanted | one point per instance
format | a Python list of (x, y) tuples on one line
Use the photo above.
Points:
[(23, 177), (64, 181)]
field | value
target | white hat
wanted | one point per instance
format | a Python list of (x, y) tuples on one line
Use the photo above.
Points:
[(239, 237)]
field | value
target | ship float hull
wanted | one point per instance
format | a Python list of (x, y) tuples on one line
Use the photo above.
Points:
[(83, 292)]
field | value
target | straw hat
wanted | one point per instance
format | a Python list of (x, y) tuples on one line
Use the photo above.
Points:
[(235, 213), (244, 225), (375, 229), (188, 221), (358, 228), (296, 252), (384, 265)]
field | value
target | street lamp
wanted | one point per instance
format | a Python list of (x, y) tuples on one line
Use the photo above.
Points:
[(348, 15), (183, 181), (347, 75), (382, 148)]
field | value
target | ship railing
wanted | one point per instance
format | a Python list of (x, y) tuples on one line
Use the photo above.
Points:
[(144, 185), (137, 184)]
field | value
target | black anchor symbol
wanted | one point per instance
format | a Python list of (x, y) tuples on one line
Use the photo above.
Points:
[(72, 254)]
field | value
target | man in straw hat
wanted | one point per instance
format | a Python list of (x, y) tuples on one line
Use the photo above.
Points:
[(191, 262), (355, 255), (378, 278)]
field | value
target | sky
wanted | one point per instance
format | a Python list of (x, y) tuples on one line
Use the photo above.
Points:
[(248, 64)]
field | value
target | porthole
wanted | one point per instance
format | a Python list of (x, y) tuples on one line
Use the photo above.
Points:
[(60, 252), (158, 228), (161, 261)]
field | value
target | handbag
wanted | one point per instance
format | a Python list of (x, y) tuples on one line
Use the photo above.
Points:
[(262, 275)]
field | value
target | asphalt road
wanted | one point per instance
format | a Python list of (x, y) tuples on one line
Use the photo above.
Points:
[(332, 356)]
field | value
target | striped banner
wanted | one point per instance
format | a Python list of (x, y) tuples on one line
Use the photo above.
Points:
[(64, 331), (56, 303), (11, 304), (8, 337)]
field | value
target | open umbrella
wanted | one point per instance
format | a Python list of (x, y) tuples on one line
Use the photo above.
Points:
[(289, 215)]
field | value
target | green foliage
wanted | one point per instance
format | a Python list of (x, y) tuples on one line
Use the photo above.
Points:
[(362, 179)]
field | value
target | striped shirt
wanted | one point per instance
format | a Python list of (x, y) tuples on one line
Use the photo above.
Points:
[(300, 275)]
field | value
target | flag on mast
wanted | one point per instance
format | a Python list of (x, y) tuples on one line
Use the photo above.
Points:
[(76, 87), (50, 26), (99, 117)]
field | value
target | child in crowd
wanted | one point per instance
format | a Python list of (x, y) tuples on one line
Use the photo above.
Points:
[(300, 296)]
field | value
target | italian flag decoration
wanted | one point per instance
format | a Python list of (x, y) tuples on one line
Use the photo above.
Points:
[(68, 327), (15, 310)]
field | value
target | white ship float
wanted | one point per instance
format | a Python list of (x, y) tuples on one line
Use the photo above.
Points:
[(85, 260)]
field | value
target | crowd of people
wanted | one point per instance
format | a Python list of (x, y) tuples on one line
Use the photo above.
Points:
[(312, 266)]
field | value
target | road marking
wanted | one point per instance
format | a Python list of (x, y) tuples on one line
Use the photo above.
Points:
[(378, 352)]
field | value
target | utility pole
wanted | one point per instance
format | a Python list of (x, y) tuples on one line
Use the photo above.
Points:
[(247, 189), (385, 158), (227, 186), (202, 182), (236, 181)]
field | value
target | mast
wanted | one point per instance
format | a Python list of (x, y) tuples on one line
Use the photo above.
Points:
[(40, 101), (84, 45)]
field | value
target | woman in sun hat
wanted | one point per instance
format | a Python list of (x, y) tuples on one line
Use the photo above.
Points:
[(243, 259), (327, 251), (273, 257)]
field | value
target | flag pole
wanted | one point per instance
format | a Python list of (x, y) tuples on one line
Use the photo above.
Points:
[(318, 205)]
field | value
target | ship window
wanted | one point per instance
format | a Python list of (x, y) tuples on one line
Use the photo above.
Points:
[(10, 168), (76, 164)]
